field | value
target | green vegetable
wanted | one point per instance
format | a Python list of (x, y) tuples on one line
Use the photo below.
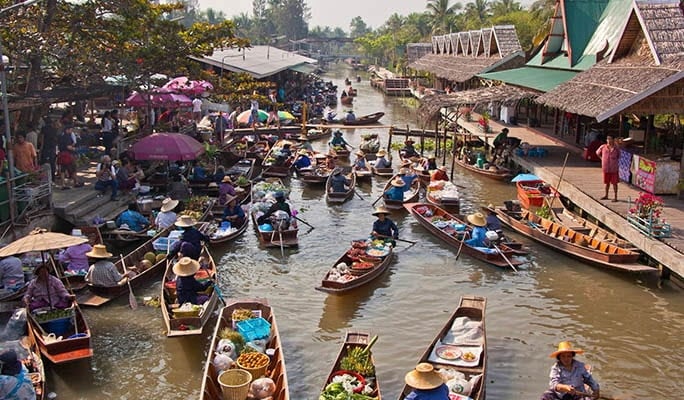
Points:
[(335, 391)]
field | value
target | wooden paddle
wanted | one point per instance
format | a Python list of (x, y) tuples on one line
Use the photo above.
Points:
[(504, 257), (131, 297), (592, 396), (303, 222), (458, 253), (378, 199), (357, 193)]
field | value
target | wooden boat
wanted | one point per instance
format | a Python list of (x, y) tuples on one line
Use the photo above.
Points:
[(314, 175), (97, 296), (410, 196), (498, 174), (471, 309), (356, 340), (365, 119), (386, 172), (273, 238), (363, 174), (340, 197), (573, 243), (30, 357), (320, 133), (211, 389), (451, 230), (16, 295), (533, 193), (355, 277), (245, 167), (239, 230), (347, 100), (258, 150), (340, 151), (436, 198), (187, 323), (75, 343), (272, 167)]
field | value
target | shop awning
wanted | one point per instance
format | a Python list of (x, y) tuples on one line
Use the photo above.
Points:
[(304, 68), (541, 79)]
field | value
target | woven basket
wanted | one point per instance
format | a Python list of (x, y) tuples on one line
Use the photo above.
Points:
[(235, 384), (256, 372)]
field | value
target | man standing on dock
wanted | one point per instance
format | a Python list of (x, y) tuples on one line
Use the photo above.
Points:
[(609, 153)]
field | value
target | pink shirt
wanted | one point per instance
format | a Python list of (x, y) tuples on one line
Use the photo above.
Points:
[(51, 293), (609, 158)]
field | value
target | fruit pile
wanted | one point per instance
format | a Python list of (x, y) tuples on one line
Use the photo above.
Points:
[(252, 360)]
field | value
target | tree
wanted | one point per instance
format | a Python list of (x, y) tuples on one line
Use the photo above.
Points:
[(525, 25), (421, 23), (502, 7), (442, 15), (358, 27), (477, 13)]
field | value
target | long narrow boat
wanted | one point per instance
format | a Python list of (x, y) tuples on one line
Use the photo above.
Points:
[(461, 345), (444, 194), (315, 175), (74, 333), (268, 235), (573, 243), (188, 323), (450, 229), (499, 173), (340, 197), (273, 166), (245, 167), (362, 174), (410, 196), (340, 151), (211, 389), (364, 119), (385, 172), (359, 268), (217, 237), (583, 225), (29, 356), (356, 342)]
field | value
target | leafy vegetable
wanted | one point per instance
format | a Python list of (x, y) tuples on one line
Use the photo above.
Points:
[(336, 391)]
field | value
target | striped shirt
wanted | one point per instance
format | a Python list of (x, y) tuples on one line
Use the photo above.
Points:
[(103, 273)]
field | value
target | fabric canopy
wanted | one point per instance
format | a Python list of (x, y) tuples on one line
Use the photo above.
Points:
[(167, 146), (41, 240)]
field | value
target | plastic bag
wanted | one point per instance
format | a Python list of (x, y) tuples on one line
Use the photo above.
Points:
[(16, 326)]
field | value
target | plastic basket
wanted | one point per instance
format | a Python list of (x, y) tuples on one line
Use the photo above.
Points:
[(58, 326), (255, 328), (162, 243)]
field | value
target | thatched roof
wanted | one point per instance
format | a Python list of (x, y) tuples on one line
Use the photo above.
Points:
[(460, 56), (665, 25), (415, 51), (506, 95), (606, 86)]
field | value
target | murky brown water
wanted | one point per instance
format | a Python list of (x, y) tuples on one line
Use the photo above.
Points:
[(631, 329)]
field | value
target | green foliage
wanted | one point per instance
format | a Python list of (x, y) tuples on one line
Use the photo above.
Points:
[(544, 212)]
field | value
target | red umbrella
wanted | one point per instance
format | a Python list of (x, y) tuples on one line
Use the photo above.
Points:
[(167, 146)]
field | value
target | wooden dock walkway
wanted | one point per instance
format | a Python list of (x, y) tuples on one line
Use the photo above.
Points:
[(583, 184)]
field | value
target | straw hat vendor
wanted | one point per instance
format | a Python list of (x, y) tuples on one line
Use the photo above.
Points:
[(166, 217), (190, 243), (360, 162), (408, 175), (103, 272), (279, 205), (440, 174), (339, 182), (493, 222), (338, 140), (427, 384), (568, 376), (74, 257), (384, 227), (303, 160), (46, 290), (479, 231), (396, 191), (233, 212), (226, 189), (408, 150), (381, 161), (14, 380), (304, 143), (186, 284), (431, 163)]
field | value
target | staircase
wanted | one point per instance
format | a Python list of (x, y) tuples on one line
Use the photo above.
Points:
[(80, 206)]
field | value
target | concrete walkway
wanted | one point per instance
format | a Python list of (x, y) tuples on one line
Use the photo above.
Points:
[(582, 183)]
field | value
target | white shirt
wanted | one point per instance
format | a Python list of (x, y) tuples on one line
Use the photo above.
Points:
[(165, 219), (197, 105)]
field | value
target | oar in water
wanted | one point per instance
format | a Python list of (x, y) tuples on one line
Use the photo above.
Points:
[(357, 193), (131, 297), (504, 257), (397, 239), (378, 199), (303, 222), (458, 253), (592, 396)]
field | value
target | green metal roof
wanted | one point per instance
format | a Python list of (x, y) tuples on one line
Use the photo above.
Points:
[(542, 79)]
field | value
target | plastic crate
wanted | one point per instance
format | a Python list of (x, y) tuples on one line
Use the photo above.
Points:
[(162, 243), (255, 328)]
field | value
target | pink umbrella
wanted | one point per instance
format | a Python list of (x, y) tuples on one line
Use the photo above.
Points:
[(160, 98), (167, 146), (184, 85)]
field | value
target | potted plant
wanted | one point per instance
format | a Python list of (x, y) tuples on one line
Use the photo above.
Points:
[(647, 206), (484, 122)]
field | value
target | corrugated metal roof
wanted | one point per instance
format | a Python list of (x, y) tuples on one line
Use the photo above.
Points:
[(542, 79), (258, 61)]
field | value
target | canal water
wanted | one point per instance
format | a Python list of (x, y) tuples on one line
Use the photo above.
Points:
[(630, 328)]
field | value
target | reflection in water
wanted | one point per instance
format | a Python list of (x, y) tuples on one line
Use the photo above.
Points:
[(629, 328)]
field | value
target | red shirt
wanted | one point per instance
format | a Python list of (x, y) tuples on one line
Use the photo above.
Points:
[(609, 158)]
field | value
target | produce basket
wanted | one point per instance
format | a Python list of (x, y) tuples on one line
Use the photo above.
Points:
[(235, 384), (256, 313), (255, 363), (256, 328), (163, 243)]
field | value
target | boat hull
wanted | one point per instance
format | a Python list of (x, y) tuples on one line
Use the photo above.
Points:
[(69, 348), (334, 287)]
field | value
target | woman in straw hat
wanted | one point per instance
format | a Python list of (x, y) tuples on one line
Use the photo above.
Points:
[(226, 189), (233, 212), (15, 383), (408, 175), (384, 227), (304, 143), (381, 161), (339, 183), (186, 284), (396, 191), (166, 217), (360, 161), (408, 150), (103, 272), (46, 290), (74, 257), (440, 174), (493, 222), (303, 160), (568, 376), (479, 232), (427, 384), (190, 243), (338, 140)]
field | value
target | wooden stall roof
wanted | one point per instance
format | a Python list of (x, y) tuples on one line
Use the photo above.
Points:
[(431, 105), (643, 74), (462, 55)]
